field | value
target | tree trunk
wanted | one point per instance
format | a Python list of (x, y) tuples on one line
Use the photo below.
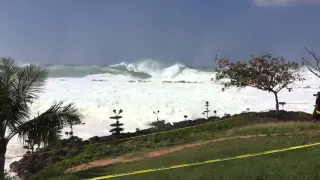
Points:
[(277, 103), (3, 149)]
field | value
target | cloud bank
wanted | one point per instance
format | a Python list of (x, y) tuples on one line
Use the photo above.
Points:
[(272, 3)]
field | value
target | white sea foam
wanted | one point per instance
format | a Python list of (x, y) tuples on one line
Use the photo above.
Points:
[(97, 99)]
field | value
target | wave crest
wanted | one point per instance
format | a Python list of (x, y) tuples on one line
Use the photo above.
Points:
[(144, 69), (150, 67)]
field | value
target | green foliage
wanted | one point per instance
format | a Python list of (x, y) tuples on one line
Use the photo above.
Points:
[(206, 111), (263, 72), (237, 125), (19, 87), (47, 126), (117, 130), (158, 124), (295, 164)]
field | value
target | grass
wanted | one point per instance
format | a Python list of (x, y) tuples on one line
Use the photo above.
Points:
[(246, 124), (225, 128), (297, 164), (139, 144)]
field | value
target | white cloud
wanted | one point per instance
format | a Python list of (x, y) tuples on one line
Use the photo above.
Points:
[(268, 3)]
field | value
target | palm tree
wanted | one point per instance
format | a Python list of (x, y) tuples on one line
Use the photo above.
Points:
[(18, 89)]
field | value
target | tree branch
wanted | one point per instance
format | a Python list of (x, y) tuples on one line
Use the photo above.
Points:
[(312, 68)]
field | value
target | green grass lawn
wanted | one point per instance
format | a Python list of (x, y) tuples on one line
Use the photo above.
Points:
[(241, 125), (296, 164)]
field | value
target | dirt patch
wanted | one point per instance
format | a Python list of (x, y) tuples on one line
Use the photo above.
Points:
[(131, 157), (99, 163)]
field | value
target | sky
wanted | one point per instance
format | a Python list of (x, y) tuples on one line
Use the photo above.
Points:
[(192, 32)]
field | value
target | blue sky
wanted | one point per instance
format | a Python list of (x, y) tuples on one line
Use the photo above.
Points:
[(185, 31)]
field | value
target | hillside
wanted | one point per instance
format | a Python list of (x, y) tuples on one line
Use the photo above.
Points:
[(297, 164), (238, 125)]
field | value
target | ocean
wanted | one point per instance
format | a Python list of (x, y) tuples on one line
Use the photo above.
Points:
[(146, 86)]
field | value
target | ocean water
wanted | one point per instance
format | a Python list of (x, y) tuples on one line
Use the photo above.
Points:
[(146, 86)]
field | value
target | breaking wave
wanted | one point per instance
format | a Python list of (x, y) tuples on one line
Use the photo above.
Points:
[(142, 69)]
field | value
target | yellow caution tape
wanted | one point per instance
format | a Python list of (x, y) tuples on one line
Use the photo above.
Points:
[(204, 162)]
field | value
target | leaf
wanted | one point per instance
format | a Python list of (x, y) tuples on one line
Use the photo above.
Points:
[(47, 126), (18, 88), (263, 72)]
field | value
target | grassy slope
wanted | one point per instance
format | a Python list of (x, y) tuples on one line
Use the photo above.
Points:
[(225, 128), (297, 164)]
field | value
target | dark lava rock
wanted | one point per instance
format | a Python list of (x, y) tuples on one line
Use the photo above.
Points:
[(94, 139)]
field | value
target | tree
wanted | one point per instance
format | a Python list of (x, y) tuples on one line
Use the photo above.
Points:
[(206, 111), (156, 113), (185, 117), (19, 87), (313, 67), (71, 124), (158, 124), (263, 72), (118, 129)]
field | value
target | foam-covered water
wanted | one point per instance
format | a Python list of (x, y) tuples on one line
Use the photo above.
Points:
[(143, 87)]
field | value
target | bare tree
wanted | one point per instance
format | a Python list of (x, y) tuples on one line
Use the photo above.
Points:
[(313, 67)]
